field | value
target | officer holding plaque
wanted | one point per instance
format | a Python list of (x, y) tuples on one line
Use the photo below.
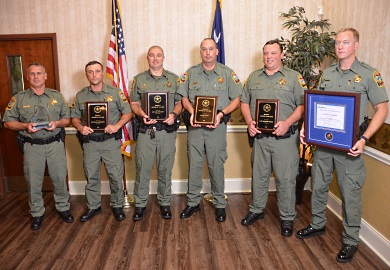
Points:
[(155, 101), (347, 75), (273, 94), (100, 111), (39, 115), (210, 92)]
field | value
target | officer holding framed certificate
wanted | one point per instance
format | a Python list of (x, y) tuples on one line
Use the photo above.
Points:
[(348, 75)]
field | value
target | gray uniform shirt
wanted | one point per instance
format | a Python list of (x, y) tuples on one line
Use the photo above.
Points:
[(360, 78), (117, 103), (221, 82), (286, 85), (22, 108)]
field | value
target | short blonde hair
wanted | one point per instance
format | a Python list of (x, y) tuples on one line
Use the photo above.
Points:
[(353, 30)]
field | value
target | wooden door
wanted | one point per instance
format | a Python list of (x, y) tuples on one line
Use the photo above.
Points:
[(16, 50)]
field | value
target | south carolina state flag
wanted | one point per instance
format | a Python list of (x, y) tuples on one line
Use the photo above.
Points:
[(217, 32)]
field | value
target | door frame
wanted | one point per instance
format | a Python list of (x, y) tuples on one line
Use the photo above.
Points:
[(27, 37)]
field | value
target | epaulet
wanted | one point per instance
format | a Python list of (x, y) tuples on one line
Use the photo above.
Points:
[(224, 67), (83, 90), (21, 93), (291, 70), (52, 90), (142, 73), (193, 67), (112, 87), (367, 66), (171, 73)]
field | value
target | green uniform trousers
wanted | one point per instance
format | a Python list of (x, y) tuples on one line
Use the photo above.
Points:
[(163, 148), (110, 153), (351, 174), (211, 142), (35, 158), (282, 157)]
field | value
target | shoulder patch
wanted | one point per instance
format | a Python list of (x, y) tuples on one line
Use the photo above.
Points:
[(11, 103), (183, 78), (122, 96), (133, 85), (378, 78), (235, 78), (301, 81)]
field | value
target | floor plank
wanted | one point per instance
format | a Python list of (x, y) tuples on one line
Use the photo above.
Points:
[(154, 243)]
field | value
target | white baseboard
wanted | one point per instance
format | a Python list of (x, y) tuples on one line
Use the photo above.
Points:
[(179, 186), (371, 237)]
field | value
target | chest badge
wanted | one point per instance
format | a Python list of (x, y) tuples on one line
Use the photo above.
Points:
[(282, 81), (357, 78), (220, 80), (53, 102), (169, 84), (109, 98)]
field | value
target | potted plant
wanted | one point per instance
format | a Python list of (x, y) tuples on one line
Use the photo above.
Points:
[(310, 45)]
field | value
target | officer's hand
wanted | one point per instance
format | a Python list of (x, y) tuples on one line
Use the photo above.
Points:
[(357, 149), (217, 121), (110, 129), (170, 120), (52, 126), (192, 121), (84, 130), (148, 121), (31, 128), (252, 129), (281, 128), (302, 136)]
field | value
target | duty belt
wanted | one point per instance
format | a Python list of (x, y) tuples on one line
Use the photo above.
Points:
[(99, 138), (288, 134), (44, 141)]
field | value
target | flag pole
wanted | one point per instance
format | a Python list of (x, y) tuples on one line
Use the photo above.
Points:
[(129, 198), (217, 36)]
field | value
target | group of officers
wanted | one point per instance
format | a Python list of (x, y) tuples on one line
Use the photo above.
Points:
[(275, 151)]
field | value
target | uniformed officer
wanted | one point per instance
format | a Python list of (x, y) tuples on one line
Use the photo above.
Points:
[(41, 144), (104, 145), (275, 150), (208, 78), (347, 75), (156, 134)]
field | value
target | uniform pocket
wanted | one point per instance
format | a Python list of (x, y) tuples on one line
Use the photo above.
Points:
[(26, 114), (193, 90)]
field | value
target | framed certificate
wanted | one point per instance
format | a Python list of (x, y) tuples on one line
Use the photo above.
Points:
[(157, 105), (97, 115), (267, 114), (332, 119), (205, 108)]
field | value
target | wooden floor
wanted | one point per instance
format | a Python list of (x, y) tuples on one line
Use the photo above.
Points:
[(153, 243)]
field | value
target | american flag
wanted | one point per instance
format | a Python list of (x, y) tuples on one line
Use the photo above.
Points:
[(116, 69)]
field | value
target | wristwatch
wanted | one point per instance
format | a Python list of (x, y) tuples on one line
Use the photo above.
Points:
[(364, 138), (174, 114)]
